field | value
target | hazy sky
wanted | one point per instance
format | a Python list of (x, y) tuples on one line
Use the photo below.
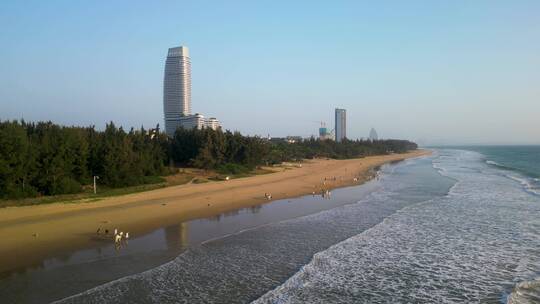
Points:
[(453, 72)]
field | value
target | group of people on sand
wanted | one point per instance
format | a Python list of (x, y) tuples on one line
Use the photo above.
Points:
[(325, 193), (117, 237)]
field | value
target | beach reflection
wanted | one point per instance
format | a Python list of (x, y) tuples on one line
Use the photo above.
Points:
[(253, 210), (176, 237), (69, 273)]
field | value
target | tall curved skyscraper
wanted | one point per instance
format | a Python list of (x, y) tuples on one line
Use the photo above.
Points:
[(176, 88)]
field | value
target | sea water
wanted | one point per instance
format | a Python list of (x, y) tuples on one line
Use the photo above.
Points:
[(521, 163), (478, 244), (450, 228)]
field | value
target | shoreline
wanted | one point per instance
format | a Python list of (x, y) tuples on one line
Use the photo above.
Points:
[(33, 233)]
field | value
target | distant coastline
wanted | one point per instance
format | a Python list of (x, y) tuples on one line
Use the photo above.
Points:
[(33, 233), (44, 159)]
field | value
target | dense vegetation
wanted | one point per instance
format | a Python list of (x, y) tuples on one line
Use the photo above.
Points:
[(48, 159)]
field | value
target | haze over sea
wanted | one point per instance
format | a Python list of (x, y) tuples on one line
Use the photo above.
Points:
[(462, 225)]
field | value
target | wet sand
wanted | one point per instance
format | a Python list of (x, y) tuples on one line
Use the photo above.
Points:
[(74, 272), (30, 234)]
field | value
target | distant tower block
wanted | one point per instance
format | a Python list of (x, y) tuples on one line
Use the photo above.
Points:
[(176, 87), (373, 134), (341, 124)]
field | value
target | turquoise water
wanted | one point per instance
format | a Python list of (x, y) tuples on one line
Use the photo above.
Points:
[(523, 159), (521, 163)]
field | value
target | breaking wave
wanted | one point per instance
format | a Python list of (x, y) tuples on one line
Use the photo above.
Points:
[(529, 183), (527, 292), (244, 266), (472, 245)]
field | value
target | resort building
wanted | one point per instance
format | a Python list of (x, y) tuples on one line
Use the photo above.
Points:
[(341, 124), (177, 94), (212, 123), (196, 121)]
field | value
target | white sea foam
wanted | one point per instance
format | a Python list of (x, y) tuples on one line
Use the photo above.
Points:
[(466, 247), (437, 166), (490, 162), (472, 245), (246, 265), (527, 292), (527, 183)]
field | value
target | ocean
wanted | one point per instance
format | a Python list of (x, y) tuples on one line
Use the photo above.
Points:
[(521, 163), (480, 243), (459, 226)]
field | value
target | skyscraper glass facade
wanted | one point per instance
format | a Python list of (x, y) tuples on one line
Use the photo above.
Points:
[(341, 124)]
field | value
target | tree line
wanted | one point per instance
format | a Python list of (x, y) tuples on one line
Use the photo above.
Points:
[(48, 159)]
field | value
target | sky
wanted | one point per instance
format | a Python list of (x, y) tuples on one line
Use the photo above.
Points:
[(435, 72)]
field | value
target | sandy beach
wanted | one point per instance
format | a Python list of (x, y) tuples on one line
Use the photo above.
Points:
[(30, 234)]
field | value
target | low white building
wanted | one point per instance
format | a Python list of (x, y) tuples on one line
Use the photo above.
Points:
[(197, 121), (192, 121), (213, 123)]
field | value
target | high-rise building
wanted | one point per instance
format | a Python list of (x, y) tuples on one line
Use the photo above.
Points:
[(177, 94), (176, 88), (341, 124), (373, 134)]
